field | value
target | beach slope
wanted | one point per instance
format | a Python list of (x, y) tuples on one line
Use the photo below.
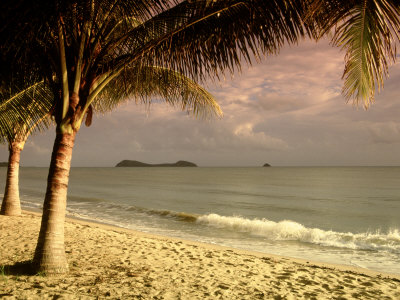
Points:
[(113, 263)]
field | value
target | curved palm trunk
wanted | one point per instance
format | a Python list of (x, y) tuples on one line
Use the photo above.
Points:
[(11, 204), (50, 251)]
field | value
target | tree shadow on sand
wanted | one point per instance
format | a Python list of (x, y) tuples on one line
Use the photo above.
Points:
[(20, 268)]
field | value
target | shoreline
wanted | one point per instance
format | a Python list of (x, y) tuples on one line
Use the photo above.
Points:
[(117, 263), (341, 267)]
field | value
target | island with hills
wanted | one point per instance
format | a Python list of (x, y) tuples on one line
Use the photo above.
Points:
[(135, 163), (266, 165)]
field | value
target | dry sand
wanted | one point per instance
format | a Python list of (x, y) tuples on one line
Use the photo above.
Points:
[(113, 263)]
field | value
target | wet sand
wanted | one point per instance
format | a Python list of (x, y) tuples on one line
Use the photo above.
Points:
[(112, 263)]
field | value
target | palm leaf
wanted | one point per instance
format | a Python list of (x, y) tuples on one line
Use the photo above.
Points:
[(368, 31), (144, 84), (201, 38), (24, 110)]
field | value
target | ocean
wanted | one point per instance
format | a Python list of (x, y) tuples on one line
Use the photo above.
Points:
[(342, 215)]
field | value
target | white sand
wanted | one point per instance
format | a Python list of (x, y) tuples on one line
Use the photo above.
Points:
[(113, 263)]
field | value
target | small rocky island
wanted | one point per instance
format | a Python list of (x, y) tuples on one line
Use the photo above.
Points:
[(266, 165), (135, 163), (3, 164)]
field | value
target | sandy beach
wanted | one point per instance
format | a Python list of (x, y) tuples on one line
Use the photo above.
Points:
[(113, 263)]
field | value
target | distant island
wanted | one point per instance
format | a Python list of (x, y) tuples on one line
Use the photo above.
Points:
[(266, 165), (3, 164), (135, 163)]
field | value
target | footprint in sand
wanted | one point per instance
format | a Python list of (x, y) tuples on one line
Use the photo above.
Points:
[(306, 281), (285, 275)]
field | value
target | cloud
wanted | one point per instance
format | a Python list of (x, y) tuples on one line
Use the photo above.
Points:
[(257, 140), (385, 133), (299, 77), (37, 149)]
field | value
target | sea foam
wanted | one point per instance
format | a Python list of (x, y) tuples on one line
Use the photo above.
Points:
[(287, 230)]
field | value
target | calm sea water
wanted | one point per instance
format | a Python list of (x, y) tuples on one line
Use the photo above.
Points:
[(345, 215)]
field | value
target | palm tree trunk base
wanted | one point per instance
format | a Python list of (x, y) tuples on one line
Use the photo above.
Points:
[(11, 211), (51, 270)]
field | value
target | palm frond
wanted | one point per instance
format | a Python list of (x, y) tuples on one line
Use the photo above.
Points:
[(368, 31), (144, 84), (24, 111), (202, 38)]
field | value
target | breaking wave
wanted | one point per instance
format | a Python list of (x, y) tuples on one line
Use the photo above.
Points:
[(180, 216), (285, 230), (292, 231)]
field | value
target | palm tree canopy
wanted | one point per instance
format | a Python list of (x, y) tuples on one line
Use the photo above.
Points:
[(88, 43), (23, 110)]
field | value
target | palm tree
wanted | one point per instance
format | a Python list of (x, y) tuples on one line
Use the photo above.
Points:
[(20, 115), (90, 44)]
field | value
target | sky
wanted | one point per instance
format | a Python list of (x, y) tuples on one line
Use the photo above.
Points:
[(286, 111)]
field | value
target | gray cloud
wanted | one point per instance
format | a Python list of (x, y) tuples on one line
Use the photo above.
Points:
[(386, 133)]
